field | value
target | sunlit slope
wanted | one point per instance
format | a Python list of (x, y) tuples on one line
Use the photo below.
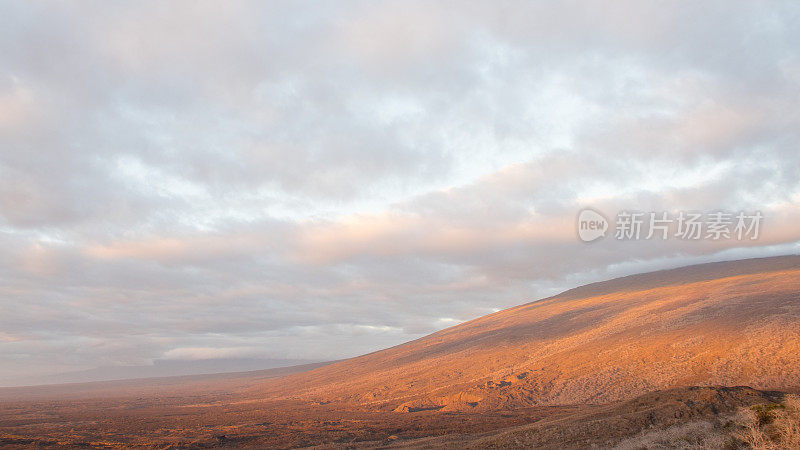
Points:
[(731, 323)]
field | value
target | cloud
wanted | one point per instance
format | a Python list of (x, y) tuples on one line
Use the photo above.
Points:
[(315, 181), (195, 353)]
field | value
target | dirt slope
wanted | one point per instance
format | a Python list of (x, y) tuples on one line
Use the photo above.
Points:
[(731, 323), (693, 409)]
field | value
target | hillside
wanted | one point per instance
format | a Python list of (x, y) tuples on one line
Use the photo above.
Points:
[(692, 417), (658, 357), (730, 323)]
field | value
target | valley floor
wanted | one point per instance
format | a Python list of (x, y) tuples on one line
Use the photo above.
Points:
[(225, 420)]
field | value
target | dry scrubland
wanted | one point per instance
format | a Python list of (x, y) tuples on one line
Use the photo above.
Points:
[(696, 357), (734, 323)]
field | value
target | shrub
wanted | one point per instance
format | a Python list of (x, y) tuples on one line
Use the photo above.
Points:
[(772, 426)]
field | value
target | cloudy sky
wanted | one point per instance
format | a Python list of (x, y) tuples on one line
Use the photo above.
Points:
[(315, 180)]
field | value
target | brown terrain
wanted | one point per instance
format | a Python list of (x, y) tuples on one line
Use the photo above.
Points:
[(674, 352)]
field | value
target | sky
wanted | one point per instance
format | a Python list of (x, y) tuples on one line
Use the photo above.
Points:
[(217, 181)]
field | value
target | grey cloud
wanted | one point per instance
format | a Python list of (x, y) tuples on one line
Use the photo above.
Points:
[(318, 180)]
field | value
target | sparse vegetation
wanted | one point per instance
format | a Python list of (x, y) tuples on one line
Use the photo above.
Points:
[(771, 426), (765, 426), (693, 435)]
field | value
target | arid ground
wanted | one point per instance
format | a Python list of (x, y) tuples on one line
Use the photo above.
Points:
[(678, 352)]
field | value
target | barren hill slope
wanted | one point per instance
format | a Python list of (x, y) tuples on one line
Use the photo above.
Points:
[(730, 323)]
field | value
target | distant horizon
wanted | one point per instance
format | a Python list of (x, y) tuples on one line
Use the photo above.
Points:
[(178, 368), (164, 369)]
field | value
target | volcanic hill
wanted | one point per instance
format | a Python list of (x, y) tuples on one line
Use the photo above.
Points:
[(729, 323)]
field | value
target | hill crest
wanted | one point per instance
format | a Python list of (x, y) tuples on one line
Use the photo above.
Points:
[(729, 323)]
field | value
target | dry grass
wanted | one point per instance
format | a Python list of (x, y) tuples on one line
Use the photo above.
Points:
[(774, 426), (767, 426), (692, 435)]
